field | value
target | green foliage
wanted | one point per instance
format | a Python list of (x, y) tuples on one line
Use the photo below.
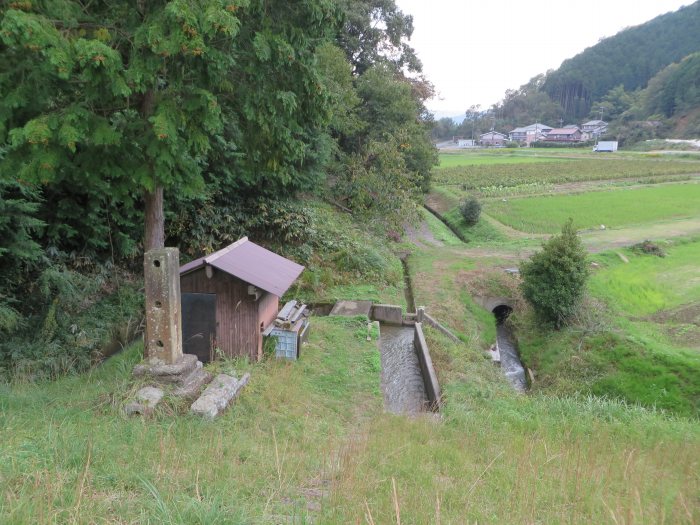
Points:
[(19, 226), (384, 154), (470, 208), (107, 101), (67, 320), (376, 185), (200, 226), (674, 89), (554, 279), (376, 31)]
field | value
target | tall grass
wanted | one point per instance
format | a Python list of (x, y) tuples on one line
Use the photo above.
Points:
[(309, 442)]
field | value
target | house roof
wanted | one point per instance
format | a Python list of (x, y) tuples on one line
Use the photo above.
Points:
[(564, 131), (595, 123), (251, 263), (532, 127), (492, 133)]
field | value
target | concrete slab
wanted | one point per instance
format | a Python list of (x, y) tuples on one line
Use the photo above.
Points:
[(146, 400), (352, 308), (218, 395), (193, 383)]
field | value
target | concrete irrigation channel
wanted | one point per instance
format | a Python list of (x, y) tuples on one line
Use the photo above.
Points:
[(506, 344), (408, 379), (402, 379)]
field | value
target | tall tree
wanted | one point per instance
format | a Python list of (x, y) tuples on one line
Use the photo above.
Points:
[(377, 30), (122, 96)]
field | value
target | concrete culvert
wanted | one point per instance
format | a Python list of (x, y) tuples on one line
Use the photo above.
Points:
[(508, 348), (501, 312)]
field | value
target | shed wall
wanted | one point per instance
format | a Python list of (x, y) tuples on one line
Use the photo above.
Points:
[(237, 326)]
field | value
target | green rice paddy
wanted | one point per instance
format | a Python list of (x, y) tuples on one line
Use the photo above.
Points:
[(592, 209)]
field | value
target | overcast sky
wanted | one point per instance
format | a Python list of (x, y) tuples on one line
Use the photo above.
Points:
[(473, 50)]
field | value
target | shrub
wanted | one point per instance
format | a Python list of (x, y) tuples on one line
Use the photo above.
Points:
[(649, 248), (470, 209), (554, 279)]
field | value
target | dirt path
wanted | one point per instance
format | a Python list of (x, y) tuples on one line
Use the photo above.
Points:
[(601, 240), (422, 236)]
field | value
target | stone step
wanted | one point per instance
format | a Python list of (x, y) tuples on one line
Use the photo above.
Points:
[(192, 385), (218, 395)]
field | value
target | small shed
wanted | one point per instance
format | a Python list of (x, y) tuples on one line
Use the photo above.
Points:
[(230, 297)]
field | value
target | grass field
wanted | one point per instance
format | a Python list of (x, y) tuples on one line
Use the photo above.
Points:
[(309, 442), (590, 210), (573, 170)]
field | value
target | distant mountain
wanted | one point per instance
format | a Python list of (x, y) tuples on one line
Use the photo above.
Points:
[(458, 119), (630, 58)]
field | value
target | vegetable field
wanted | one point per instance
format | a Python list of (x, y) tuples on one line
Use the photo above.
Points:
[(573, 170)]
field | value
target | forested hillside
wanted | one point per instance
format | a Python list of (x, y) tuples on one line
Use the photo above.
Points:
[(629, 58), (124, 126), (643, 80)]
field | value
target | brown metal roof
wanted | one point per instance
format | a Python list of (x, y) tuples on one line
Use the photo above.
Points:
[(253, 264), (563, 131)]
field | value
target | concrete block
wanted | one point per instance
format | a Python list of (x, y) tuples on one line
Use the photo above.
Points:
[(387, 313), (218, 395)]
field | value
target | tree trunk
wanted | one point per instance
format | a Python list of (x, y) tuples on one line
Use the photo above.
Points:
[(154, 220), (154, 236)]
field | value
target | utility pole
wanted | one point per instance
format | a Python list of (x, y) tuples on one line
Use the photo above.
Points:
[(597, 135)]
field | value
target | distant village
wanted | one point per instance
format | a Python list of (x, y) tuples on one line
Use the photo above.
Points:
[(526, 135)]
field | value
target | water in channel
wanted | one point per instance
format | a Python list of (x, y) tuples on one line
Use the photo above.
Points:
[(507, 346), (402, 381)]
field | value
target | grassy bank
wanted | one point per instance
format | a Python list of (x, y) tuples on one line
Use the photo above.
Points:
[(308, 441), (638, 342)]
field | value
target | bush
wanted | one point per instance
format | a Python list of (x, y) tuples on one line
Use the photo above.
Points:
[(649, 248), (554, 279), (470, 209)]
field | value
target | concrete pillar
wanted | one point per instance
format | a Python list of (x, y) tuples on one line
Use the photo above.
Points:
[(163, 339), (420, 314)]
